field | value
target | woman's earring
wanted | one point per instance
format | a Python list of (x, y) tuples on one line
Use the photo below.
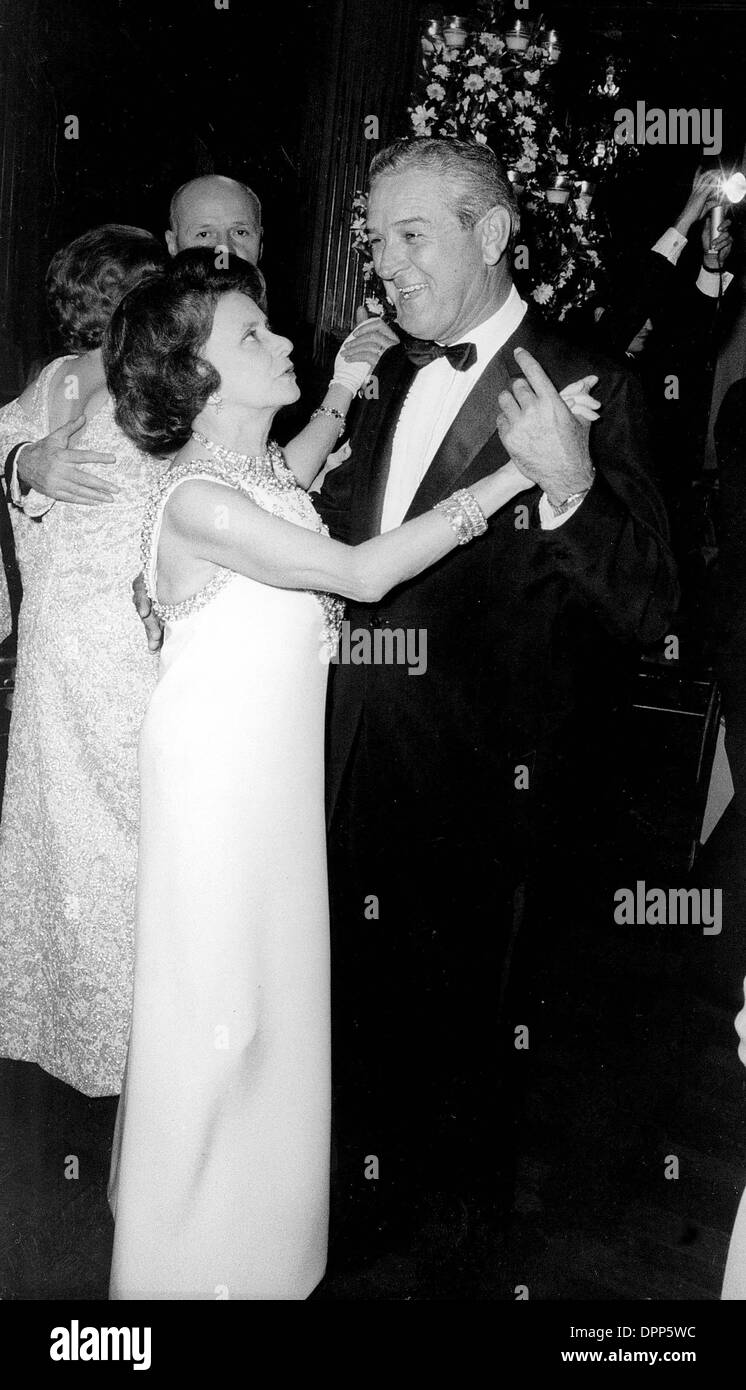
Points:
[(215, 400)]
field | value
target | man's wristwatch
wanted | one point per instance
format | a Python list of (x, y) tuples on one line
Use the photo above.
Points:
[(560, 508)]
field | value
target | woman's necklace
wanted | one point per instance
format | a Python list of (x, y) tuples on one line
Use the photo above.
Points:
[(231, 455), (273, 459)]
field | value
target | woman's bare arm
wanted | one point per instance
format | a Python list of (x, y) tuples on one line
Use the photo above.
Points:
[(308, 452), (213, 523)]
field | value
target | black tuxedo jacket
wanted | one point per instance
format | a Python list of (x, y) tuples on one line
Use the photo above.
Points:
[(516, 620), (728, 584)]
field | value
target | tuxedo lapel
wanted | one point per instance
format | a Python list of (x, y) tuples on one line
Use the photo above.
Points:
[(474, 425), (374, 438)]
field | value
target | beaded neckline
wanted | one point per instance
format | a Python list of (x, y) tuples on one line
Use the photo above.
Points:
[(231, 455), (250, 465), (272, 476)]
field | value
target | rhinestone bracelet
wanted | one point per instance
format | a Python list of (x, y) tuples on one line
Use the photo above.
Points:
[(333, 415), (464, 515)]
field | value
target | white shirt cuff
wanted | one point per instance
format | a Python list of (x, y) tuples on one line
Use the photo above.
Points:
[(670, 245), (31, 503), (709, 282), (550, 522)]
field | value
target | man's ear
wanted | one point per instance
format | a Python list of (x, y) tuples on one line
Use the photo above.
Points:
[(171, 242), (494, 231)]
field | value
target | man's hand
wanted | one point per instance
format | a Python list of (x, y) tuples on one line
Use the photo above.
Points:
[(716, 255), (702, 199), (153, 625), (541, 435), (52, 468)]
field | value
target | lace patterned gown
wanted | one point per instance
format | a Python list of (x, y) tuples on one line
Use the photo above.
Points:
[(6, 617), (734, 1281), (221, 1163), (68, 838)]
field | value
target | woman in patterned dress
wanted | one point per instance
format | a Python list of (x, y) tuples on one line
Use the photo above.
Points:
[(68, 836)]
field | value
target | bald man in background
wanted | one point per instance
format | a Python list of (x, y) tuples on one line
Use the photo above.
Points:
[(211, 210), (216, 211)]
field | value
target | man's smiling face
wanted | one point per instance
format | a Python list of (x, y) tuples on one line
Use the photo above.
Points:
[(435, 271)]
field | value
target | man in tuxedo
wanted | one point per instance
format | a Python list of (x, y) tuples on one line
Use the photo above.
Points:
[(444, 787), (211, 210)]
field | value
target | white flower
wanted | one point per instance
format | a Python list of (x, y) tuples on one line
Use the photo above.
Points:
[(491, 43), (560, 157), (480, 137), (526, 123), (435, 91), (542, 294), (476, 61), (422, 118), (474, 83), (530, 148), (441, 70), (495, 75), (525, 165), (532, 77)]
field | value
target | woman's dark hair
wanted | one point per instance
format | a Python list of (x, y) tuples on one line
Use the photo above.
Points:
[(87, 278), (152, 349)]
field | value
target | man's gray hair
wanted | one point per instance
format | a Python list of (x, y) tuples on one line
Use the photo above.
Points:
[(250, 194), (473, 171)]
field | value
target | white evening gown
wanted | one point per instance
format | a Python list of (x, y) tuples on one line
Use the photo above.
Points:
[(221, 1160), (734, 1282)]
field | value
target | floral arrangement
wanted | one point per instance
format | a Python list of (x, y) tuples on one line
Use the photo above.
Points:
[(489, 91)]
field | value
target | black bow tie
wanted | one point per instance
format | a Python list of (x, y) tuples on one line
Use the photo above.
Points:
[(460, 355)]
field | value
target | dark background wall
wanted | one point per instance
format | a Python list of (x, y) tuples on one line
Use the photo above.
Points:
[(275, 93)]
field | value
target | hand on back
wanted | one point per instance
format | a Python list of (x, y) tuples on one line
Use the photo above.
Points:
[(57, 470)]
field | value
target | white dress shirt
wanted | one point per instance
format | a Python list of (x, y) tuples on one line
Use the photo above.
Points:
[(434, 400), (671, 245), (432, 404)]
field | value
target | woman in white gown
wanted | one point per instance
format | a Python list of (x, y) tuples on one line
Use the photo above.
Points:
[(220, 1169)]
